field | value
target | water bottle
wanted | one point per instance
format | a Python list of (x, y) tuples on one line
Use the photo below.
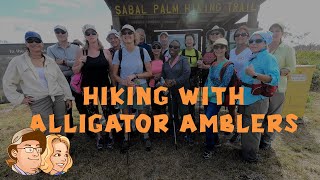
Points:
[(162, 81)]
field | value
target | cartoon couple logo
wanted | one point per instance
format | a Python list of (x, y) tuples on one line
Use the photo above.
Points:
[(31, 151)]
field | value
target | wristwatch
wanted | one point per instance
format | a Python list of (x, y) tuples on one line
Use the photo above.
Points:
[(254, 76)]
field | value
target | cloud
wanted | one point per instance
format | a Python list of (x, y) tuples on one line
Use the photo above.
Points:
[(42, 10), (14, 28), (69, 3)]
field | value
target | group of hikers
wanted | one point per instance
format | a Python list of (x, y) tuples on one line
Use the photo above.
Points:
[(50, 82)]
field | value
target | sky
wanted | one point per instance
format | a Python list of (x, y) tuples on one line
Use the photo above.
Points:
[(19, 16)]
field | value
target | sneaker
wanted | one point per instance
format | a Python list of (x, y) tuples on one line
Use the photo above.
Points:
[(235, 138), (207, 154), (218, 144), (99, 144), (148, 144), (189, 139), (124, 147), (264, 146), (110, 143)]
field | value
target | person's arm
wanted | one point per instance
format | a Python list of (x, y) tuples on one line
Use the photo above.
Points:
[(80, 61), (62, 81), (290, 61), (50, 54), (71, 62), (10, 81)]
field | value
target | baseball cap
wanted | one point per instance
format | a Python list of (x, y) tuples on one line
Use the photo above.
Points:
[(113, 31), (128, 26), (156, 43), (217, 28), (88, 26), (164, 33), (266, 35), (17, 137), (32, 34), (222, 41), (279, 25), (60, 27)]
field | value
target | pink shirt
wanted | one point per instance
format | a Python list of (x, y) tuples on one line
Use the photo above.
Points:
[(156, 67)]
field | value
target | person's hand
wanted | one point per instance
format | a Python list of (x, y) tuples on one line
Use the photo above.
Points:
[(200, 64), (130, 83), (284, 72), (83, 59), (131, 77), (250, 70), (157, 77), (59, 61), (68, 104), (27, 100)]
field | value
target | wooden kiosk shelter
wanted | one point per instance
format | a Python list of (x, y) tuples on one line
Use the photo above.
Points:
[(154, 15)]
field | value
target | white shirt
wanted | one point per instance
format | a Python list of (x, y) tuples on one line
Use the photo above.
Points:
[(240, 60)]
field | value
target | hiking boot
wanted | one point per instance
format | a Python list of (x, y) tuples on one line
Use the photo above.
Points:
[(189, 139), (110, 143), (235, 138), (99, 144), (207, 154), (264, 146), (147, 144), (124, 147)]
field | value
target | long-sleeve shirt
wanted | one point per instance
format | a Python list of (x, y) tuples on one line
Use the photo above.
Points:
[(68, 54), (180, 72), (216, 81), (21, 71), (263, 63), (286, 58)]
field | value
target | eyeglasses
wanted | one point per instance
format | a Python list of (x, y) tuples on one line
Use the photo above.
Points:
[(32, 40), (215, 33), (241, 34), (256, 41), (219, 46), (127, 32), (59, 31), (30, 149), (174, 47), (88, 33), (156, 47)]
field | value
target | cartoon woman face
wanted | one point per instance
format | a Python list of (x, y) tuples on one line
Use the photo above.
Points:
[(59, 158)]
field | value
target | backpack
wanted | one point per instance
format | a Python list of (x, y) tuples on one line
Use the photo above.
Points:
[(234, 82), (184, 54), (76, 79), (141, 56)]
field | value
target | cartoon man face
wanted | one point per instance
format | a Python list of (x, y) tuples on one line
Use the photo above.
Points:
[(25, 151), (28, 156)]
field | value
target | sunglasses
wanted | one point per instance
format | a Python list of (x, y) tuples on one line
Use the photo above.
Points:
[(215, 33), (241, 34), (174, 47), (127, 32), (256, 41), (88, 33), (156, 47), (59, 31), (32, 40), (219, 46)]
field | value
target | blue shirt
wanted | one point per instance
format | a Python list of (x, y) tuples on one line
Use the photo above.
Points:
[(214, 77), (263, 63), (131, 62)]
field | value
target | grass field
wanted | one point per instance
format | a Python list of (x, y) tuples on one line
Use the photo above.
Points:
[(294, 156)]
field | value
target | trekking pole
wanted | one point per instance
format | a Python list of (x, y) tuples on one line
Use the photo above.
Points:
[(174, 124)]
